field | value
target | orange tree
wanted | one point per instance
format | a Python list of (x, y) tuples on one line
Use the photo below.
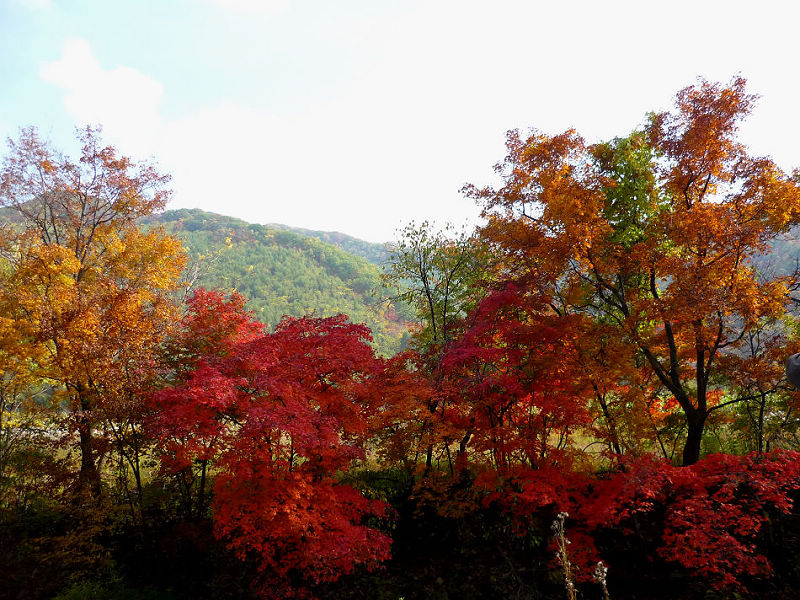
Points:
[(652, 236), (86, 286)]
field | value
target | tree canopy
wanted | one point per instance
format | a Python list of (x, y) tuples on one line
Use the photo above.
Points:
[(653, 235)]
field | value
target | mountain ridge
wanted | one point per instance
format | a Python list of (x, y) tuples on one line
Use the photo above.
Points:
[(283, 272), (377, 254)]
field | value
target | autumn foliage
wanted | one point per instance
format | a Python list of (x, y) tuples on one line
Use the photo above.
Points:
[(606, 352), (654, 235), (278, 417), (86, 288)]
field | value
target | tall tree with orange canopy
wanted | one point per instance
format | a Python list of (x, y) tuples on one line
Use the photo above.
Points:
[(652, 234), (87, 286)]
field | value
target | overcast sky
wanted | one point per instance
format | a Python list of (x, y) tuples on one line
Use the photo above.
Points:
[(359, 116)]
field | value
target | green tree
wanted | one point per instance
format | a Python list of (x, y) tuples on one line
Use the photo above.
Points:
[(439, 276)]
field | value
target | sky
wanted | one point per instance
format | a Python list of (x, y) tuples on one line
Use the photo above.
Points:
[(362, 116)]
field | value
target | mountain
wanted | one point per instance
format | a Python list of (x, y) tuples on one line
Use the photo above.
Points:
[(374, 253), (282, 272)]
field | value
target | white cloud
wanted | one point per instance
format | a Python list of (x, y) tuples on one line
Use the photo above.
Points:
[(356, 164), (427, 112), (229, 159), (122, 99)]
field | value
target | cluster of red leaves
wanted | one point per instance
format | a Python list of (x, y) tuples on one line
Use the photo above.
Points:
[(280, 414), (510, 382), (525, 492), (708, 518), (710, 514)]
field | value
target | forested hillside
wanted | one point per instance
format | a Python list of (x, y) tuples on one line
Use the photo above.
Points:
[(375, 253), (282, 272)]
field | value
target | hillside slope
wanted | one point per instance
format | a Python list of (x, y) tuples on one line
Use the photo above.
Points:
[(281, 272), (377, 254)]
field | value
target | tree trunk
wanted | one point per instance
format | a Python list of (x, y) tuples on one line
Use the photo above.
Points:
[(691, 451), (761, 408), (611, 422), (89, 476), (429, 458)]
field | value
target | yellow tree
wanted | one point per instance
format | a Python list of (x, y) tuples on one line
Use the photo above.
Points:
[(653, 235), (87, 285), (17, 352)]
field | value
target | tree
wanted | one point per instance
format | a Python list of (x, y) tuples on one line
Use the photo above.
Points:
[(277, 417), (652, 234), (439, 277), (89, 288), (512, 390), (186, 424), (756, 376)]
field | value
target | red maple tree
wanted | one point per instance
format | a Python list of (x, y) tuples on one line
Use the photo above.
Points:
[(276, 418)]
